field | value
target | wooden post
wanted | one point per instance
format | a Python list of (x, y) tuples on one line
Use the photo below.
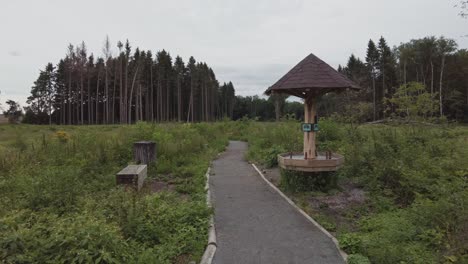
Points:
[(144, 152), (309, 137)]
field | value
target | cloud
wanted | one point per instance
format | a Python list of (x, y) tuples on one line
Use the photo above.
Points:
[(252, 79), (251, 43), (14, 53)]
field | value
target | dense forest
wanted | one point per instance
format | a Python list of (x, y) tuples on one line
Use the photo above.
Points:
[(429, 73), (132, 86), (424, 78)]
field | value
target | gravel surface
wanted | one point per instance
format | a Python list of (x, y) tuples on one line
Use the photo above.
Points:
[(254, 224)]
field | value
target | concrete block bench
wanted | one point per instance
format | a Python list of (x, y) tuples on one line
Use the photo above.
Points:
[(133, 175)]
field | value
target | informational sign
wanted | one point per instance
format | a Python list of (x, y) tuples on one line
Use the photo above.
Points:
[(307, 127)]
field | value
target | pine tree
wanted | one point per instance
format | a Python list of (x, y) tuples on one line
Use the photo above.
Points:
[(107, 56), (191, 73), (43, 92), (386, 66), (13, 113), (445, 47), (180, 71), (87, 88), (372, 59)]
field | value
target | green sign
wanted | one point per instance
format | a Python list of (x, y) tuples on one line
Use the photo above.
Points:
[(309, 127), (306, 127)]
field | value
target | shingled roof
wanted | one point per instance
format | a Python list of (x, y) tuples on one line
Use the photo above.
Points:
[(311, 76)]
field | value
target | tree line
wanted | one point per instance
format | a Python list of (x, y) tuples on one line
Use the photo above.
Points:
[(430, 73), (132, 86), (435, 63)]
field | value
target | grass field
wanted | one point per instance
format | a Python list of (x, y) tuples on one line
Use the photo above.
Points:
[(60, 204), (414, 178), (59, 199)]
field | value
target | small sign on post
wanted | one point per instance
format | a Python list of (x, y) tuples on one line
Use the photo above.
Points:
[(306, 127), (316, 127)]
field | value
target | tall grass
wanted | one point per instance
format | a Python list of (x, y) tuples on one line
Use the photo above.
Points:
[(416, 177), (60, 203)]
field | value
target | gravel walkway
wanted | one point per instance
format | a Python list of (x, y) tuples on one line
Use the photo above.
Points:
[(254, 224)]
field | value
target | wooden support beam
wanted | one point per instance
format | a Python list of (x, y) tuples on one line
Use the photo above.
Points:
[(309, 137)]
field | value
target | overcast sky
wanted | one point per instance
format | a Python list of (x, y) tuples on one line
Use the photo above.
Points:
[(249, 42)]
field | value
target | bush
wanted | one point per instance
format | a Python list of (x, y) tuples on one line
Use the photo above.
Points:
[(351, 243), (43, 238), (297, 181), (60, 204), (414, 176), (270, 157), (358, 259)]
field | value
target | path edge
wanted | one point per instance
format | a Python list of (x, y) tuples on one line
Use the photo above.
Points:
[(211, 246), (308, 217)]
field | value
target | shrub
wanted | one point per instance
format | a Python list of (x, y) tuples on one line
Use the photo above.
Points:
[(297, 181), (358, 259), (270, 157), (59, 201), (43, 238), (351, 243), (62, 136)]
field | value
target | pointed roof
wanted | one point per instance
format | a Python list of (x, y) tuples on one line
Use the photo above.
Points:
[(311, 76)]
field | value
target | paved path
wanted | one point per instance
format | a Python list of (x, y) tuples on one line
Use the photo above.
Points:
[(254, 224)]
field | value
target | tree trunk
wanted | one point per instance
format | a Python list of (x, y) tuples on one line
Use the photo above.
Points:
[(121, 116), (440, 85), (62, 109), (205, 105), (432, 78), (97, 97), (77, 110), (113, 96), (69, 98), (89, 99), (137, 104), (168, 109), (106, 95), (374, 101), (151, 101), (125, 102), (404, 72), (81, 97), (383, 90), (130, 97), (50, 112), (423, 76), (158, 99), (202, 108), (141, 104), (179, 100), (189, 108), (191, 99)]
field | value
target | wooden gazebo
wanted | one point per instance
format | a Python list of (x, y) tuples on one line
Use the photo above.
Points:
[(310, 79)]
